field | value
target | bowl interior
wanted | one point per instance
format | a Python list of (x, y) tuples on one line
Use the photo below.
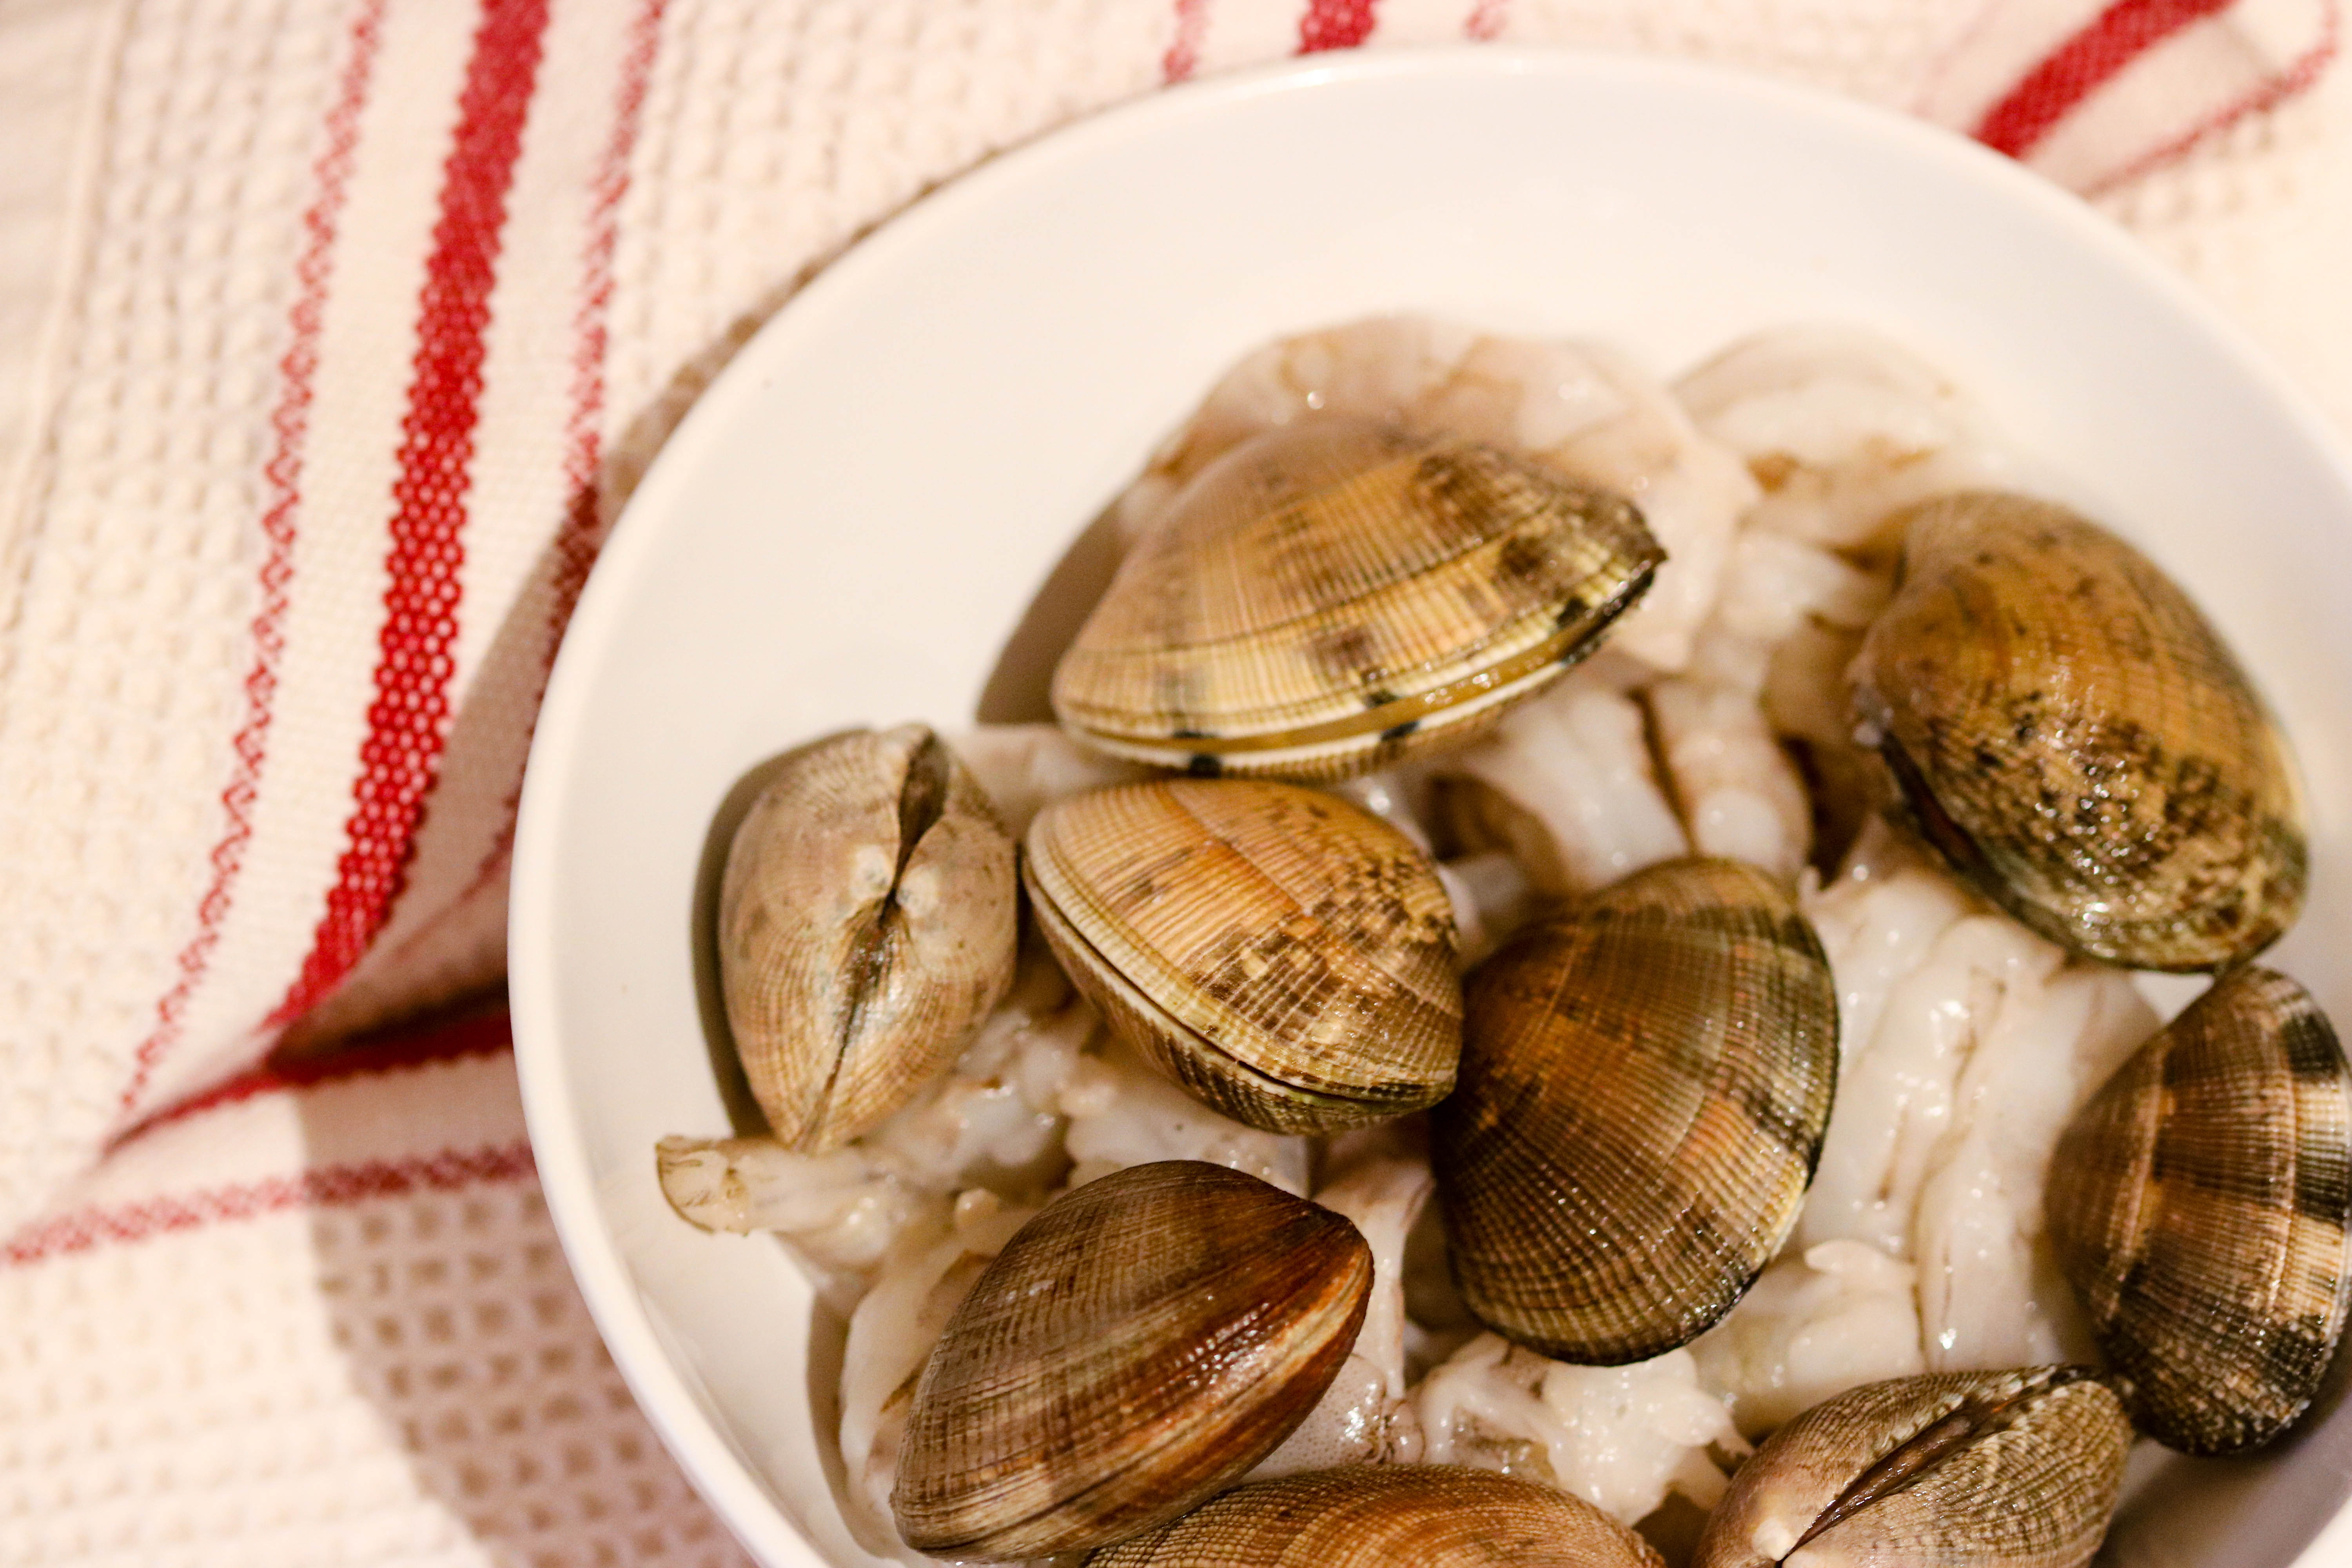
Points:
[(854, 521)]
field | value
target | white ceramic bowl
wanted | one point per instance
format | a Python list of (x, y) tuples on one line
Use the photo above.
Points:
[(853, 521)]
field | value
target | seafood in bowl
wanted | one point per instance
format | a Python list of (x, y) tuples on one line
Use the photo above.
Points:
[(1651, 600)]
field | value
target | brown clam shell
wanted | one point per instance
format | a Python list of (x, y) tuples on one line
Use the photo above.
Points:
[(2078, 741), (1646, 1082), (866, 926), (1284, 955), (2198, 1205), (1334, 593), (1973, 1470), (1382, 1516), (1141, 1343)]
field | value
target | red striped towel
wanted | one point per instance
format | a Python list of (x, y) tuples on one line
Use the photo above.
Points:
[(331, 334)]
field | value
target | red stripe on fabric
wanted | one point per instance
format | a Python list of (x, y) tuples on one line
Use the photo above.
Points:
[(1335, 25), (327, 1186), (582, 533), (1184, 55), (408, 722), (480, 1033), (1486, 21), (281, 476), (2079, 67), (2297, 78)]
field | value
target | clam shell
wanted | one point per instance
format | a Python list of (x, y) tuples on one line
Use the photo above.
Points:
[(1141, 1343), (867, 920), (2077, 740), (1334, 593), (2198, 1207), (1977, 1469), (1428, 1516), (1284, 955), (1646, 1082)]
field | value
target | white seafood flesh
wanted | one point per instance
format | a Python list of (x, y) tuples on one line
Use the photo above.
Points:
[(1364, 1417), (1576, 760), (1618, 1437), (1841, 426), (1814, 1324)]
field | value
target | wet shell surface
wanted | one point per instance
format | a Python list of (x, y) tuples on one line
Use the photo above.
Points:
[(1284, 955), (1428, 1516), (1334, 593), (1645, 1082), (868, 920), (2198, 1207), (1141, 1343), (1977, 1469), (2077, 740)]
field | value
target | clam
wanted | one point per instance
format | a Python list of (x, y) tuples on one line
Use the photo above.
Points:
[(2198, 1207), (2077, 740), (1336, 592), (867, 926), (1140, 1344), (1973, 1470), (1283, 954), (1646, 1082), (1430, 1516)]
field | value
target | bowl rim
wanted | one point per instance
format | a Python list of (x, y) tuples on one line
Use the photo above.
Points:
[(669, 1402)]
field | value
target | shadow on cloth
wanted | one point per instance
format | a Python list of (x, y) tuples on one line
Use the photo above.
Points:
[(449, 1298)]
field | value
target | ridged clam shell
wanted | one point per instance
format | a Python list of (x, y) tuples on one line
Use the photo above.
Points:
[(1284, 955), (1976, 1470), (2077, 740), (866, 926), (1389, 1516), (1334, 593), (1646, 1082), (1144, 1341), (2198, 1205)]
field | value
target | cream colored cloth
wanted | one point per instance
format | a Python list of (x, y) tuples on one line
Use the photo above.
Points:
[(332, 336)]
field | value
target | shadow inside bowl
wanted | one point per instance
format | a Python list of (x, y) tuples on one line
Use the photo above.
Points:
[(1018, 688)]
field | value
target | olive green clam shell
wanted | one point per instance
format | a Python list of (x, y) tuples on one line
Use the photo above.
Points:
[(1143, 1341), (2198, 1205), (1975, 1469), (1380, 1516), (1336, 592), (2078, 741), (1645, 1082), (1284, 956)]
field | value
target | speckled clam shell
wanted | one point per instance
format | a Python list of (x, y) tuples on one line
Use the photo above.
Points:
[(2077, 740), (1334, 593), (2198, 1205), (1977, 1469), (1140, 1344), (1284, 955), (868, 920), (1646, 1082), (1382, 1516)]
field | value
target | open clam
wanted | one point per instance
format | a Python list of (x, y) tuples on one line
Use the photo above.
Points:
[(2078, 741), (1336, 592), (1645, 1082), (2198, 1205), (1141, 1343), (1428, 1516), (866, 926), (1978, 1469), (1283, 954)]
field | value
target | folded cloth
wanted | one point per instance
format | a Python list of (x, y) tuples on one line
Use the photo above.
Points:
[(332, 335)]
